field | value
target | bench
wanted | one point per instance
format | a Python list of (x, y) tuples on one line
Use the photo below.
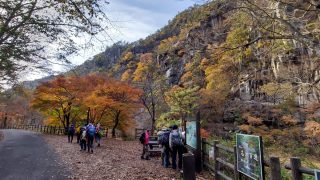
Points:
[(153, 142)]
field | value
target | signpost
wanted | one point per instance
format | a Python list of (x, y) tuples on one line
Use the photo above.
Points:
[(250, 156), (191, 134), (193, 140)]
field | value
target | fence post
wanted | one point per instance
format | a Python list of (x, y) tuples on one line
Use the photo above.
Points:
[(237, 174), (204, 150), (275, 168), (135, 133), (215, 156), (295, 163)]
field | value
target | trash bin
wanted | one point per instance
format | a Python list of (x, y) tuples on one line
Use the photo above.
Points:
[(189, 171)]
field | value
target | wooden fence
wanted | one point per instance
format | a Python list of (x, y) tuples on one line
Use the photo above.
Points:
[(138, 133), (223, 163), (38, 128)]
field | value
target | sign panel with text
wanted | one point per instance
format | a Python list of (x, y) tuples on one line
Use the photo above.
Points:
[(249, 156), (191, 134), (317, 174)]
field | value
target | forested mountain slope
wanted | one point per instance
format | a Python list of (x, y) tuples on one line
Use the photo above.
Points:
[(253, 64)]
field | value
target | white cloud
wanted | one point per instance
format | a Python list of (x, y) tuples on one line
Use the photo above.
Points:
[(131, 21)]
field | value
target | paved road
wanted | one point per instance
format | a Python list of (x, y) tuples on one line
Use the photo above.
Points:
[(25, 155)]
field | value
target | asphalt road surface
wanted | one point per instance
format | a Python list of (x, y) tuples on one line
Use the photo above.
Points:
[(25, 155)]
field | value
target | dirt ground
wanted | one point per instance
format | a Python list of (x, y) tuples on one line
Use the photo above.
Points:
[(1, 136), (115, 159)]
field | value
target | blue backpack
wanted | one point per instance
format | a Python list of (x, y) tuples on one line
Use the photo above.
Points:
[(164, 138), (91, 130)]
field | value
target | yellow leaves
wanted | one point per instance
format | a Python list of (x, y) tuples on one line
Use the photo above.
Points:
[(167, 45), (128, 56), (145, 68), (217, 79), (138, 75), (181, 100), (116, 67), (277, 89), (126, 76), (237, 37), (248, 52)]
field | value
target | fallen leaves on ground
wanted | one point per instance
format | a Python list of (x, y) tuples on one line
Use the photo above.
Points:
[(115, 159)]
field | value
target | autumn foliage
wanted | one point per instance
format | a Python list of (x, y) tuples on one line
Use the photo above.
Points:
[(93, 98)]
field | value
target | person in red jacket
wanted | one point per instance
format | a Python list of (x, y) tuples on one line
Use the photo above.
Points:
[(145, 137)]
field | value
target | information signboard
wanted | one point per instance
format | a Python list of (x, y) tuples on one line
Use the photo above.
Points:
[(249, 156), (191, 134), (317, 174)]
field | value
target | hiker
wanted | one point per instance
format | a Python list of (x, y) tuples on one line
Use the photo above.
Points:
[(90, 131), (163, 140), (107, 132), (144, 139), (98, 134), (71, 133), (83, 138), (176, 144), (78, 133)]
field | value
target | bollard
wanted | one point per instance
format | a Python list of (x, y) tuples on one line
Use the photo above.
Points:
[(189, 171)]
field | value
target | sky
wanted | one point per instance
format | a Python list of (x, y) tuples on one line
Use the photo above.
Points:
[(131, 20)]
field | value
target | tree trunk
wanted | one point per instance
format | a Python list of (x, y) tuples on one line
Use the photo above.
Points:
[(116, 122), (88, 114), (67, 120), (153, 118)]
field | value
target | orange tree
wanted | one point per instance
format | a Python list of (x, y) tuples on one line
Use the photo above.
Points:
[(116, 100), (58, 98)]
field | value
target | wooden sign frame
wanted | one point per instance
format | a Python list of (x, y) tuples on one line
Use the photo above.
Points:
[(196, 151), (260, 149)]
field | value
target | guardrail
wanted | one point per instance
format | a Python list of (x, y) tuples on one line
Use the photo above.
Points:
[(57, 130)]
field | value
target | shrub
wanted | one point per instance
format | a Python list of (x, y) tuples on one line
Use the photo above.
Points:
[(289, 120), (204, 133), (255, 121), (245, 128), (312, 130)]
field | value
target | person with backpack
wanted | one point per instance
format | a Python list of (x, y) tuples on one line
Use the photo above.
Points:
[(176, 144), (83, 138), (144, 140), (98, 134), (163, 140), (71, 131), (90, 132)]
